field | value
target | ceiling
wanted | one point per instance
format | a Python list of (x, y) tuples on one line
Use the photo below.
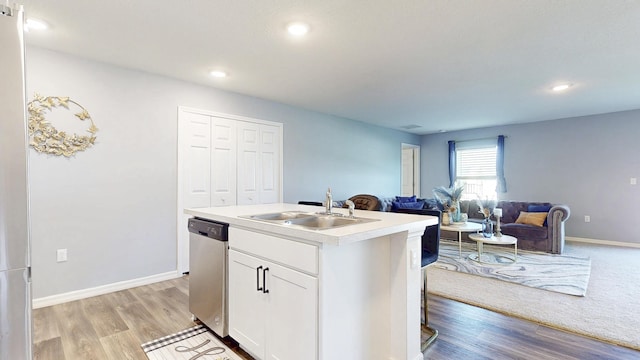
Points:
[(422, 66)]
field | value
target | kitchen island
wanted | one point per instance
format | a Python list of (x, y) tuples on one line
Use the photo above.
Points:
[(350, 292)]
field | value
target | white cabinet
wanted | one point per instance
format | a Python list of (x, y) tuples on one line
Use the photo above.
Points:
[(273, 307)]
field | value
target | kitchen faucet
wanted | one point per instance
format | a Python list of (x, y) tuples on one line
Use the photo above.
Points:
[(328, 202)]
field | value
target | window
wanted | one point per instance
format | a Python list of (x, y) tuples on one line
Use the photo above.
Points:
[(476, 168)]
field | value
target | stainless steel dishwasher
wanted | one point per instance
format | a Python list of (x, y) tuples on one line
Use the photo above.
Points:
[(208, 274)]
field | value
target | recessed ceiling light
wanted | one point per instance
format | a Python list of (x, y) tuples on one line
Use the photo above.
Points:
[(218, 74), (298, 29), (561, 87), (35, 24)]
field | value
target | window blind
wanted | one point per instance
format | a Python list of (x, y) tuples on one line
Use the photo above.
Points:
[(476, 162)]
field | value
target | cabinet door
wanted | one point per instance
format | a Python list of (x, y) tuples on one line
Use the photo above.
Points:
[(248, 163), (292, 314), (246, 303), (223, 161)]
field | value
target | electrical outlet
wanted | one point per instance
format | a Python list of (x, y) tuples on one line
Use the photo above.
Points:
[(61, 255), (587, 218), (633, 181)]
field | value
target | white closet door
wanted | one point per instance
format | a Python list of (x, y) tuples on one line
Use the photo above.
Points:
[(269, 186), (248, 161), (223, 161), (197, 162)]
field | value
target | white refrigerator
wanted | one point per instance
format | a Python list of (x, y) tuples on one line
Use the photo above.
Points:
[(15, 266)]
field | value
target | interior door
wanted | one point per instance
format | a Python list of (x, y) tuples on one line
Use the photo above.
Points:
[(197, 160), (269, 190), (248, 160), (410, 170), (194, 179), (223, 161)]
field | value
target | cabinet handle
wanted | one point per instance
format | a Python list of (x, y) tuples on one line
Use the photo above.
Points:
[(258, 278), (264, 280)]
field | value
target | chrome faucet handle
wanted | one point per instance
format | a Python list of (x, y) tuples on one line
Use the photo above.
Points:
[(351, 206)]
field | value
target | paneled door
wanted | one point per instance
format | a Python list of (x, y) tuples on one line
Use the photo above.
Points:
[(249, 170), (410, 170), (223, 161), (196, 167), (270, 164)]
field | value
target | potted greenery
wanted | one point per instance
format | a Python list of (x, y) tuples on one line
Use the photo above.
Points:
[(449, 198)]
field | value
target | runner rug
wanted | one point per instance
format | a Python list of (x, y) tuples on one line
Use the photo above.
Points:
[(193, 343), (567, 274)]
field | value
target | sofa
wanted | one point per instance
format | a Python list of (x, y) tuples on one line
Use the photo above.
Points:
[(547, 237)]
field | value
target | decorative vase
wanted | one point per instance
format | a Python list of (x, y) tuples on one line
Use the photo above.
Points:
[(455, 215), (487, 228), (445, 218)]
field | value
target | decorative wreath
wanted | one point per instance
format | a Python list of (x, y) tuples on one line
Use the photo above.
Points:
[(47, 139)]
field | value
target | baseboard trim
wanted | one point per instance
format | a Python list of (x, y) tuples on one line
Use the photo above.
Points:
[(602, 242), (101, 290)]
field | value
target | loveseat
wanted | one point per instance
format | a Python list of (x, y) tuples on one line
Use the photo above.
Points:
[(548, 237)]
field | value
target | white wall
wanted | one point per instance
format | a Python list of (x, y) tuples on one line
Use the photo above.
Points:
[(114, 206)]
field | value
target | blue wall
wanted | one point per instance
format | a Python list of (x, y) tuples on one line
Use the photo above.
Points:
[(584, 162), (115, 204), (351, 157)]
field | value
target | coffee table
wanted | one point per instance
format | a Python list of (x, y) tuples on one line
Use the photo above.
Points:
[(466, 227), (501, 240)]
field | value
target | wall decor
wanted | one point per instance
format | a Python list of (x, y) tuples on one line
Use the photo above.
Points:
[(45, 138)]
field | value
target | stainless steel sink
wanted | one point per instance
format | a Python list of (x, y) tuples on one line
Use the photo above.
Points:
[(308, 220), (288, 215), (327, 222)]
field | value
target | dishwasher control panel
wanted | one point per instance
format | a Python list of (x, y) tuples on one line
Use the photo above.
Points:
[(208, 228)]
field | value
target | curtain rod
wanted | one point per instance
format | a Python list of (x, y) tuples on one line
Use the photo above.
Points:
[(485, 138)]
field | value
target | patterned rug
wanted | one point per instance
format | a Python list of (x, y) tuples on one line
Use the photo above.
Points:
[(560, 273), (193, 343)]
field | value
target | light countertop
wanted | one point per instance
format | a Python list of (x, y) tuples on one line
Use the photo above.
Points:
[(389, 223)]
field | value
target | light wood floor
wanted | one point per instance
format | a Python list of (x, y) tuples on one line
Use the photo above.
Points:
[(113, 326)]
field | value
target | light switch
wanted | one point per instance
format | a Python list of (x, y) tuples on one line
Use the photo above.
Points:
[(61, 255), (633, 181)]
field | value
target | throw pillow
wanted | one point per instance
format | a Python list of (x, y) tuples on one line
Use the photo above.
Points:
[(540, 208), (407, 205), (531, 218), (406, 199)]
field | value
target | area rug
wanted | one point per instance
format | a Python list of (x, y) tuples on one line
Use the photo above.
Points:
[(566, 274), (610, 311), (193, 343)]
